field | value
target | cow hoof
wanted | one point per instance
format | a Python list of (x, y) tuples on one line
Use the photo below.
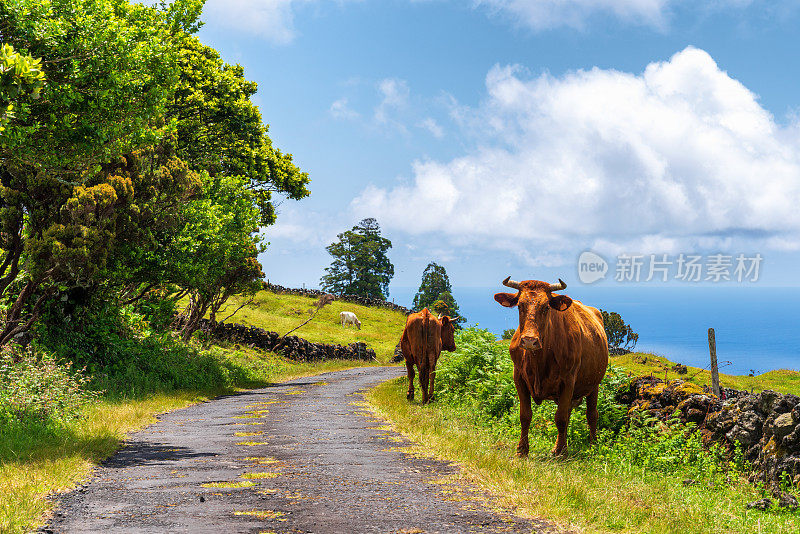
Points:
[(559, 452), (522, 452), (410, 396)]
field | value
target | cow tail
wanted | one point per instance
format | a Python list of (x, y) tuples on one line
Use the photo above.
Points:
[(425, 326)]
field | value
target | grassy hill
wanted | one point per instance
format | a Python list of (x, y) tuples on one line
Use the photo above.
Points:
[(380, 327)]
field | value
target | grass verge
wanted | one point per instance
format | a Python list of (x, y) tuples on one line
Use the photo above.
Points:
[(582, 493)]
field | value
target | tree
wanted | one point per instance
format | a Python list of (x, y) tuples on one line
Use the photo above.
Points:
[(360, 265), (508, 333), (218, 250), (620, 335), (435, 293), (110, 68), (220, 130)]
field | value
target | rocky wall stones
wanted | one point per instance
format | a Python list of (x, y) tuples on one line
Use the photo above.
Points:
[(766, 425), (292, 347)]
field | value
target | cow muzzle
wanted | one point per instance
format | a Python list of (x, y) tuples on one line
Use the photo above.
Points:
[(531, 343)]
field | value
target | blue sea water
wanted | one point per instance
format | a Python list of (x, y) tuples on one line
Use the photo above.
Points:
[(756, 328)]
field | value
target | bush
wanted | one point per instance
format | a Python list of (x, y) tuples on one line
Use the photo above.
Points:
[(125, 357), (34, 387)]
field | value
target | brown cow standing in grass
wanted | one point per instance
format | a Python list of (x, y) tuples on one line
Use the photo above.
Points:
[(424, 338), (560, 353)]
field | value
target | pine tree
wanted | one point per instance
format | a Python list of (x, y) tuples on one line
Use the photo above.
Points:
[(360, 265), (436, 294)]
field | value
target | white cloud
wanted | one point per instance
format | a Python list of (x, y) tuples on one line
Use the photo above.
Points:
[(394, 95), (340, 109), (681, 155), (271, 19), (544, 14), (430, 124)]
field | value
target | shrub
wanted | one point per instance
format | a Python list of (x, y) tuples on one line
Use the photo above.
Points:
[(34, 387), (125, 357)]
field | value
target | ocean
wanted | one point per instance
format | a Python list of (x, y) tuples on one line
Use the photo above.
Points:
[(757, 329)]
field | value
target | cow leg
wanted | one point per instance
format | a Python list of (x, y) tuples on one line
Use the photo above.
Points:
[(423, 382), (592, 415), (410, 368), (525, 415), (562, 421), (432, 367)]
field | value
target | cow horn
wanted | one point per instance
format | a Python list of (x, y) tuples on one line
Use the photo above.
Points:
[(508, 282), (560, 286)]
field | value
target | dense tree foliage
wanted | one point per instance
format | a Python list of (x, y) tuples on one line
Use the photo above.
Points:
[(132, 160), (360, 265), (436, 293)]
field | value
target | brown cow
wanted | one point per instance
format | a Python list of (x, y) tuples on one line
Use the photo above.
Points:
[(560, 353), (423, 339)]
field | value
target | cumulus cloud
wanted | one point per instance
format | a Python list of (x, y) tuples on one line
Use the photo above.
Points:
[(681, 155)]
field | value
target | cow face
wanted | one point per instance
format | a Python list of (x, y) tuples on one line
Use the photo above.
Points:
[(534, 300), (448, 334)]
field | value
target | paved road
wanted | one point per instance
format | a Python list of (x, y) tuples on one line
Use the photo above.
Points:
[(310, 460)]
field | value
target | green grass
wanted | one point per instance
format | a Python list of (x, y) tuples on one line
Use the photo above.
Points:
[(380, 327), (38, 460), (585, 493), (781, 380)]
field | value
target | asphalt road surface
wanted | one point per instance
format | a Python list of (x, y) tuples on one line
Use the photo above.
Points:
[(300, 457)]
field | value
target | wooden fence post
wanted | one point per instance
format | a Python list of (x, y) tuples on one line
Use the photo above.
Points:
[(712, 348)]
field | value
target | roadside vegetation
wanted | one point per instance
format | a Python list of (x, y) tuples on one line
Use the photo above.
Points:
[(641, 476)]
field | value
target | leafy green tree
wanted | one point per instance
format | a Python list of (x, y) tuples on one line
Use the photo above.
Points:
[(508, 333), (20, 74), (220, 248), (436, 293), (220, 130), (619, 334), (360, 265), (110, 67)]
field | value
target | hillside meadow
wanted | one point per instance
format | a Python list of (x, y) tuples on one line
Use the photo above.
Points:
[(280, 312)]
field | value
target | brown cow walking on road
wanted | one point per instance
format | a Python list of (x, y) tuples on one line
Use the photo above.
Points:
[(560, 353), (423, 339)]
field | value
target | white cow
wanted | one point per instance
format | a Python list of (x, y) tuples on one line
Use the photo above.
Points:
[(346, 318)]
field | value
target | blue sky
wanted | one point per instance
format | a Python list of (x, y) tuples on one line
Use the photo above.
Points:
[(505, 137)]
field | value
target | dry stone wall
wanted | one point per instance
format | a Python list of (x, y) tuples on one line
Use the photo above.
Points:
[(292, 347), (765, 424)]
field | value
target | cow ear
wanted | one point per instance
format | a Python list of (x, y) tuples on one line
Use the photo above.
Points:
[(560, 302), (509, 300)]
